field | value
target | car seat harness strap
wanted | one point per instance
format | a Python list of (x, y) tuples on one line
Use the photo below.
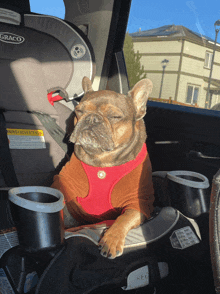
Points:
[(55, 131), (6, 164)]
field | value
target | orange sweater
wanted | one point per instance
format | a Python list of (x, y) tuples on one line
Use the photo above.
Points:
[(133, 190)]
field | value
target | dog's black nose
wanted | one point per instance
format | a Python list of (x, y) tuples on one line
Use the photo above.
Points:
[(93, 118)]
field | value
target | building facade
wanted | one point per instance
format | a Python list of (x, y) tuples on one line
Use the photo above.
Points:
[(178, 61)]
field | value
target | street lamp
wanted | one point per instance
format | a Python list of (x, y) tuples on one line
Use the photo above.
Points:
[(164, 64), (217, 23)]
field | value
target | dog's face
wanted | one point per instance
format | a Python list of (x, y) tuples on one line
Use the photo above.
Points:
[(109, 129)]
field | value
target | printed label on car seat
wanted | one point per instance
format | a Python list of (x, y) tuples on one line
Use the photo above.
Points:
[(26, 139), (183, 238), (7, 37)]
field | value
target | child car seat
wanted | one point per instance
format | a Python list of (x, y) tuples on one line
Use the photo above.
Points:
[(43, 59)]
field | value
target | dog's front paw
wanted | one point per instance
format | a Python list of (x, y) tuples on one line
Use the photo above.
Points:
[(111, 244)]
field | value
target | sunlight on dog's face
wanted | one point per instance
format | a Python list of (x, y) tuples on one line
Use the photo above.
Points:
[(109, 129), (100, 124)]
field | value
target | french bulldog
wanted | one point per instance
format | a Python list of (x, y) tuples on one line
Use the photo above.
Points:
[(109, 137)]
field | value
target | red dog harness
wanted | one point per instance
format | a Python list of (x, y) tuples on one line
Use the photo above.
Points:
[(102, 182)]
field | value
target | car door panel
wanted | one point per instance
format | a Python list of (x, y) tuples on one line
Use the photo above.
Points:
[(183, 138)]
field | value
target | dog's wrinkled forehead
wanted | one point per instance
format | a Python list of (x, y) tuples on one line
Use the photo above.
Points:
[(100, 100)]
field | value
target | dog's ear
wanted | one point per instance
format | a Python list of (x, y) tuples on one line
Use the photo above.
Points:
[(86, 85), (140, 94)]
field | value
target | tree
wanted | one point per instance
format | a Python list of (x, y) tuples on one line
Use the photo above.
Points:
[(135, 70)]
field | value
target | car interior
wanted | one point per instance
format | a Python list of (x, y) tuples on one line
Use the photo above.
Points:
[(43, 60)]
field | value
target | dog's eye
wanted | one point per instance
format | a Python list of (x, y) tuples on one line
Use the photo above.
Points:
[(116, 117)]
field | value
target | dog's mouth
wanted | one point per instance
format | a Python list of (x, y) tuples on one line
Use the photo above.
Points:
[(93, 139)]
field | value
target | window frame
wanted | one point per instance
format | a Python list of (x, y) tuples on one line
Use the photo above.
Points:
[(208, 66), (193, 86)]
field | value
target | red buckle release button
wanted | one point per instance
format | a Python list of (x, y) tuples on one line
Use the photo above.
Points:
[(52, 98)]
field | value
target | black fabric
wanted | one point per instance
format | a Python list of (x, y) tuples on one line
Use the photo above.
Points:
[(154, 271), (80, 269), (6, 164), (21, 6), (6, 220)]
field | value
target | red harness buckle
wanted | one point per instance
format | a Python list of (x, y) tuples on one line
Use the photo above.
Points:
[(52, 98)]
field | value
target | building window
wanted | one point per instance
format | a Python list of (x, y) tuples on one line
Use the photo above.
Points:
[(208, 59), (192, 94)]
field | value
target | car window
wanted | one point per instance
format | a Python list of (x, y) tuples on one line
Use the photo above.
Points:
[(49, 7), (176, 44)]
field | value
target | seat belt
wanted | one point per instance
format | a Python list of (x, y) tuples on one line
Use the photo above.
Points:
[(6, 164), (53, 129)]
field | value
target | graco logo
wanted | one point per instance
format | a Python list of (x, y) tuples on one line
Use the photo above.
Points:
[(11, 38)]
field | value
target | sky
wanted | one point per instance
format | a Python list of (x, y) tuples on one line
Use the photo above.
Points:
[(197, 15)]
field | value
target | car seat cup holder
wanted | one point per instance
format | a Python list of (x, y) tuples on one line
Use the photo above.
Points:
[(189, 192), (36, 212)]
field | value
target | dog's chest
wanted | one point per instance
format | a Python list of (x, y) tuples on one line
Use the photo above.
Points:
[(102, 182)]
